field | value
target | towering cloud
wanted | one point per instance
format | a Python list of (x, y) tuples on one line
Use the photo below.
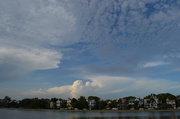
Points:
[(109, 87)]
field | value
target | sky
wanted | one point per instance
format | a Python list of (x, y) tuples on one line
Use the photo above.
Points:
[(104, 48)]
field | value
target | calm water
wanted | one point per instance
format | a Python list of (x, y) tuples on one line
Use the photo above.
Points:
[(20, 114)]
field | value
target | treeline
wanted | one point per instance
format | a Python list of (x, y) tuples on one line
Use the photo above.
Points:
[(33, 103), (159, 101)]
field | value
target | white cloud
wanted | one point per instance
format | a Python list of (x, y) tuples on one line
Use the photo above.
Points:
[(32, 59), (153, 64), (28, 32), (16, 62), (59, 92), (111, 87), (123, 34)]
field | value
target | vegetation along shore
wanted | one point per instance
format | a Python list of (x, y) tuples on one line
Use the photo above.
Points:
[(152, 102)]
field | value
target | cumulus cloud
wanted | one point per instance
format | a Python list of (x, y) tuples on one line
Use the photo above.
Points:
[(80, 89), (116, 86)]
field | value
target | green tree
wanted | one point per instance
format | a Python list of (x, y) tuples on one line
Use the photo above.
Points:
[(74, 103), (162, 99), (14, 104), (0, 103), (119, 101), (166, 106), (25, 103), (163, 96), (136, 104), (178, 103), (113, 104), (102, 104), (127, 99), (82, 103), (7, 98), (6, 101), (54, 99), (34, 103), (94, 98)]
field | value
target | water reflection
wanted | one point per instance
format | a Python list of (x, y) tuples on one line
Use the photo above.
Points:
[(135, 117), (25, 114)]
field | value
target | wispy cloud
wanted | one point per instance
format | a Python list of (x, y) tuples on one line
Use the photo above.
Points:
[(28, 30), (152, 64)]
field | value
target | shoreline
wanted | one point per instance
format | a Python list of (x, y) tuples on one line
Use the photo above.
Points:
[(102, 111)]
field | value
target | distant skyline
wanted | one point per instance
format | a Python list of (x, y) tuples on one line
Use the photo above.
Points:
[(104, 48)]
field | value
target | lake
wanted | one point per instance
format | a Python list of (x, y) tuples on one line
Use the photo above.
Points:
[(28, 114)]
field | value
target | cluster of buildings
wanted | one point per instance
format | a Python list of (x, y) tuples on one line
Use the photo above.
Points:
[(153, 101), (150, 102), (147, 103)]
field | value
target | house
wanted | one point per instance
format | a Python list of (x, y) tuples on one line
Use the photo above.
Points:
[(123, 101), (58, 103), (172, 102), (123, 104), (108, 104), (147, 103), (92, 104), (131, 101), (151, 102), (140, 103), (68, 104), (51, 105), (155, 103)]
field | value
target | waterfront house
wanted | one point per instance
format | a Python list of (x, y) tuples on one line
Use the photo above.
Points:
[(51, 105), (92, 104), (58, 103), (151, 102), (131, 101), (68, 104), (140, 103), (172, 102)]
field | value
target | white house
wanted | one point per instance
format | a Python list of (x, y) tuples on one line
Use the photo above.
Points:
[(92, 104), (151, 102), (51, 105), (58, 103), (68, 104)]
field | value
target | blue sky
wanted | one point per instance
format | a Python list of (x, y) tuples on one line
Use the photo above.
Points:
[(107, 48)]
